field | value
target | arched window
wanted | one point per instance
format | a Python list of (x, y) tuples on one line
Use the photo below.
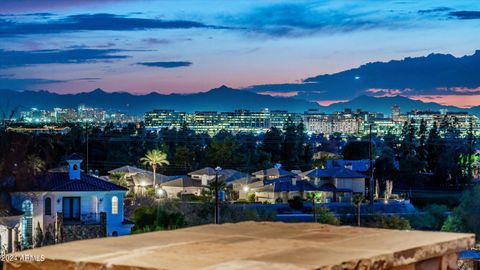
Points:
[(114, 205), (47, 205), (27, 226)]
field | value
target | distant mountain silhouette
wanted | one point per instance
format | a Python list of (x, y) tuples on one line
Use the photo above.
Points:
[(218, 99), (432, 74)]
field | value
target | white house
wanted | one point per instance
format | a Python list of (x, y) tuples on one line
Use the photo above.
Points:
[(9, 223), (71, 206)]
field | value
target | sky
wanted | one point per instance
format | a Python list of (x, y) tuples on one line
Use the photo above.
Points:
[(191, 46)]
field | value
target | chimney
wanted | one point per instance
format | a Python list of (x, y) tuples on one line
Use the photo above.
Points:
[(294, 181), (74, 162)]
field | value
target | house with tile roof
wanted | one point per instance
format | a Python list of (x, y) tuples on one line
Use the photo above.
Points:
[(283, 189), (70, 205), (272, 173), (181, 185), (139, 180), (337, 184)]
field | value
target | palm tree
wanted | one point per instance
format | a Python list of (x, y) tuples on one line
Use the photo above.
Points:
[(155, 158), (357, 200), (34, 164)]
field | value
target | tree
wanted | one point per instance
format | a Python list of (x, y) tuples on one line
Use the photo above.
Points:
[(357, 200), (223, 151), (212, 186), (325, 216), (314, 197), (271, 144), (388, 190), (118, 179), (408, 140), (470, 151), (290, 145), (38, 236), (422, 134), (154, 158), (34, 164), (49, 238), (320, 158), (410, 163), (434, 147), (466, 217), (356, 150), (184, 159), (384, 165)]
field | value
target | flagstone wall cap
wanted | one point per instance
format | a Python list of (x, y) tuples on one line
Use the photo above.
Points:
[(253, 245)]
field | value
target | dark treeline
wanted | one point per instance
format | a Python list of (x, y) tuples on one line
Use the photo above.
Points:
[(438, 156), (109, 148), (418, 157)]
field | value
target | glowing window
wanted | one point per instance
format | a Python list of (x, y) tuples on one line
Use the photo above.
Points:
[(114, 205)]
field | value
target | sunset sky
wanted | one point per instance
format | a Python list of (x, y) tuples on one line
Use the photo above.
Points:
[(191, 46)]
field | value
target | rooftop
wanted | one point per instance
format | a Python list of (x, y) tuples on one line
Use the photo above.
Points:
[(258, 245), (60, 181)]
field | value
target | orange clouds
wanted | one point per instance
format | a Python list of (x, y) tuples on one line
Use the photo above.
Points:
[(463, 101)]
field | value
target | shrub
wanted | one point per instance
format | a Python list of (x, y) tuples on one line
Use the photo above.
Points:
[(466, 217), (296, 203), (38, 236), (387, 222), (188, 197), (251, 197), (237, 213), (279, 200), (325, 216), (159, 217), (432, 219), (150, 191)]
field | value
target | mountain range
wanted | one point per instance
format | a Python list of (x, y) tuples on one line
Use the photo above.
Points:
[(218, 99)]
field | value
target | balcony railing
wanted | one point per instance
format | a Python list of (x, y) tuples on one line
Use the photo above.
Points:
[(85, 218)]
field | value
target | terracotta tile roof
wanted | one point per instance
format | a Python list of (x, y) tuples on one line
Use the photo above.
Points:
[(60, 181)]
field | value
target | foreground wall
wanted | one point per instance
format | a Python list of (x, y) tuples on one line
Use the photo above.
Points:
[(257, 245)]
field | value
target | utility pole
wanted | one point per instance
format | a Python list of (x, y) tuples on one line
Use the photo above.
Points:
[(216, 213), (371, 184), (86, 131)]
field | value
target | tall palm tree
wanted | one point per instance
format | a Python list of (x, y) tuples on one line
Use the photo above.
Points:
[(154, 158)]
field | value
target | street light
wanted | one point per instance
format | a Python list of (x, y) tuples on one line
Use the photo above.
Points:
[(216, 214)]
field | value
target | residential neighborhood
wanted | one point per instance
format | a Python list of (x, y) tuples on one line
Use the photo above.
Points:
[(66, 203), (278, 135)]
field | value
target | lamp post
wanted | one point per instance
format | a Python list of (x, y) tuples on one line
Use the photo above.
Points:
[(216, 214)]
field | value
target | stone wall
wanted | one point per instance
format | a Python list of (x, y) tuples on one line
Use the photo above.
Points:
[(73, 232)]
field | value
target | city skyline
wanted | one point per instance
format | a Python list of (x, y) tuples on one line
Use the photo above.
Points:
[(139, 48)]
